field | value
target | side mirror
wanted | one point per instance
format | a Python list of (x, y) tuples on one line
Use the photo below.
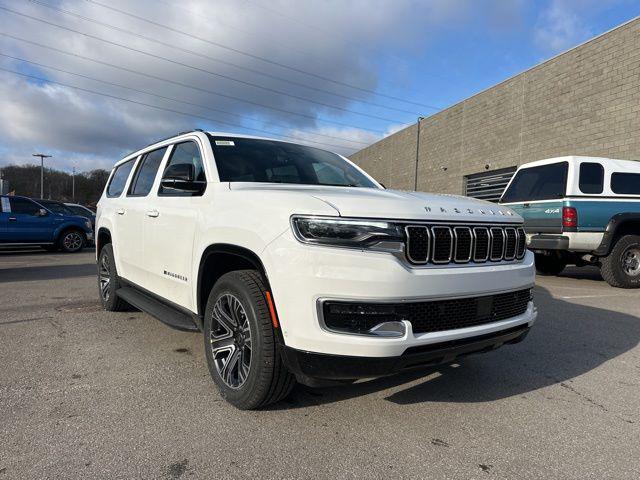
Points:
[(180, 177), (41, 213)]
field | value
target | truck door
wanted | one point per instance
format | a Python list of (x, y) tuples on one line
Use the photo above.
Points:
[(26, 225)]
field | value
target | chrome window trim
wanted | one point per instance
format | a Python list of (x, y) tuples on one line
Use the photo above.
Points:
[(504, 241), (433, 250), (407, 249), (475, 244), (515, 248), (455, 250)]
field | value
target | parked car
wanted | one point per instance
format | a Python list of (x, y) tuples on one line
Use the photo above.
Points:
[(581, 211), (24, 221), (82, 211), (297, 265)]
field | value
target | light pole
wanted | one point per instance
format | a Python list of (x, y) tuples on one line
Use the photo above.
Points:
[(73, 185), (42, 157), (415, 185)]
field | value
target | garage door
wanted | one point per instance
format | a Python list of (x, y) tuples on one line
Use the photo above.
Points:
[(488, 185)]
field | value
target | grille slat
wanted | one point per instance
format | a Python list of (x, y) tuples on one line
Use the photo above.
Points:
[(441, 244), (428, 316)]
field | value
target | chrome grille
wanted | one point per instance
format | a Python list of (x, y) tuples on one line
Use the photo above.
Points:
[(442, 244)]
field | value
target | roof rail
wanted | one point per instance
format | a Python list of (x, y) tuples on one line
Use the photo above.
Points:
[(163, 139)]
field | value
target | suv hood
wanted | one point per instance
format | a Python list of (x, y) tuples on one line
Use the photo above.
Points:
[(392, 204)]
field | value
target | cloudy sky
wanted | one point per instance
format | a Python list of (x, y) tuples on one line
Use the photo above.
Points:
[(89, 80)]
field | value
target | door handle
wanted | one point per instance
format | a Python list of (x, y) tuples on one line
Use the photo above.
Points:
[(153, 213), (120, 211), (13, 219)]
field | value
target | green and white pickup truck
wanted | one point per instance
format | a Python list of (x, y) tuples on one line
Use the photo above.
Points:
[(581, 211)]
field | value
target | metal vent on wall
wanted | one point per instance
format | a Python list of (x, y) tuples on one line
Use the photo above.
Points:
[(488, 185)]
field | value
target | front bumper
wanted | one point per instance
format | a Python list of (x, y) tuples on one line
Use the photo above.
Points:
[(312, 368), (301, 276)]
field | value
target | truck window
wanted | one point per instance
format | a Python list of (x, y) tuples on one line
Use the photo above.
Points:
[(591, 177), (23, 206), (119, 179), (545, 182), (625, 183)]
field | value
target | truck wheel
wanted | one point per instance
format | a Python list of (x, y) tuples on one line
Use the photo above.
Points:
[(240, 343), (72, 241), (621, 268), (549, 264), (108, 282)]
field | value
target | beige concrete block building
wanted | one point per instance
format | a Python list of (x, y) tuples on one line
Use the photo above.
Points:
[(585, 101)]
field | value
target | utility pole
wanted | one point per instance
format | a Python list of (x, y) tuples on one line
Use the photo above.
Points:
[(415, 185), (42, 157), (73, 185)]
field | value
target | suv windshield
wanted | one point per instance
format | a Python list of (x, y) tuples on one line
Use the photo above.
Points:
[(56, 207), (545, 182), (254, 160)]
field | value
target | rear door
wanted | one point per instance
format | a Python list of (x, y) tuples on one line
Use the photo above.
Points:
[(132, 215), (25, 225), (537, 194)]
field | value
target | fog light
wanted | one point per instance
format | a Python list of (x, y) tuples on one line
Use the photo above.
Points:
[(389, 329), (373, 319)]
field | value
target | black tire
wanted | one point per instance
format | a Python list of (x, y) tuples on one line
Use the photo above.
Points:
[(247, 332), (621, 268), (107, 273), (72, 240), (552, 264)]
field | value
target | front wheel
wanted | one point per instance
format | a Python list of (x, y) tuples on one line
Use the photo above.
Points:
[(552, 264), (240, 343), (621, 268), (72, 241), (109, 282)]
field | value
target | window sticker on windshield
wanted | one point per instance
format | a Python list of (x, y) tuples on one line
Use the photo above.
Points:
[(225, 143), (6, 206)]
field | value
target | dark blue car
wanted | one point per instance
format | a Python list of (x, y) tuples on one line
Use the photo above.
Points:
[(24, 221)]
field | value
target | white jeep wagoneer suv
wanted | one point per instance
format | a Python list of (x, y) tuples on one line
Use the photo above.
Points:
[(298, 265)]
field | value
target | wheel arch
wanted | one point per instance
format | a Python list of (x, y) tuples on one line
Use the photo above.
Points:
[(103, 237), (619, 225), (221, 258)]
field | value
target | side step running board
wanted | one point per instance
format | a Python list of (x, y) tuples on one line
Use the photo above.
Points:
[(158, 309)]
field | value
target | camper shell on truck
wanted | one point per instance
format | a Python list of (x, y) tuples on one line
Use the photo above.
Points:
[(582, 211)]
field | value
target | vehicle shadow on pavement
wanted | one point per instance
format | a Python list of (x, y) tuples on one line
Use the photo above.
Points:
[(47, 272), (582, 273), (568, 340)]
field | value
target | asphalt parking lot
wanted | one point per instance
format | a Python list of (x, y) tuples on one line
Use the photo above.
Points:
[(90, 394)]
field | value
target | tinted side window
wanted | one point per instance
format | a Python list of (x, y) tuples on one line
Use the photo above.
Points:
[(146, 173), (545, 182), (185, 153), (24, 206), (591, 178), (119, 179), (625, 183)]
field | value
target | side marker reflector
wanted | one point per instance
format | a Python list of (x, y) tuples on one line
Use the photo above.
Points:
[(272, 309)]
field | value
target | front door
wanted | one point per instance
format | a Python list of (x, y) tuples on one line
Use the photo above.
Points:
[(169, 233), (25, 224)]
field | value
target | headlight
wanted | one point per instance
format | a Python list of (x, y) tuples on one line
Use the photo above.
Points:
[(88, 224), (346, 232)]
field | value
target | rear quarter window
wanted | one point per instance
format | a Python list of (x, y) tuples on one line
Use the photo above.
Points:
[(119, 179), (544, 182), (625, 183)]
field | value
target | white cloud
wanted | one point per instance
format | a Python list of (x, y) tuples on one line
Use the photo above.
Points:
[(561, 26)]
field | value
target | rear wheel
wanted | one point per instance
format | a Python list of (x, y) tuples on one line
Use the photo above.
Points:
[(108, 281), (240, 343), (621, 268), (71, 241), (551, 264)]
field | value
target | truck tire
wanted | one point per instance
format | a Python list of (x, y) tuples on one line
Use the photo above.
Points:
[(72, 240), (240, 343), (621, 268), (108, 282), (549, 264)]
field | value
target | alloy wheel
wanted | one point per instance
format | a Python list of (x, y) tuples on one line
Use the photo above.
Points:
[(231, 341), (104, 278), (72, 241)]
